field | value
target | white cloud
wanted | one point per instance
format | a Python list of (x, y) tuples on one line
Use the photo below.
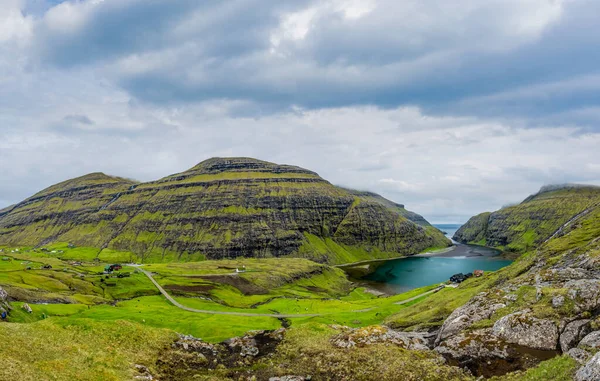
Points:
[(13, 24), (342, 87)]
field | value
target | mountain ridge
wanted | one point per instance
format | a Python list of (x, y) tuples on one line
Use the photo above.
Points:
[(220, 208), (538, 217)]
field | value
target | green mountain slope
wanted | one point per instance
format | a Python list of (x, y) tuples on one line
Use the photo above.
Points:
[(221, 208), (524, 226)]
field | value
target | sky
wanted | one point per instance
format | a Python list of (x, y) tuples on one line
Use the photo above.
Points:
[(451, 108)]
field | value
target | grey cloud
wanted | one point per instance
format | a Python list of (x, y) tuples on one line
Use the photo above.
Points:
[(395, 53), (461, 120), (78, 119)]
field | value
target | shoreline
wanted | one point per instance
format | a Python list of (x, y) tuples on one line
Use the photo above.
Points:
[(433, 253), (437, 253)]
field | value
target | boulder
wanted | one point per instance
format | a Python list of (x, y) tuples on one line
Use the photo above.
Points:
[(523, 329), (579, 355), (585, 293), (3, 295), (592, 340), (573, 333), (590, 371), (558, 301), (473, 345), (352, 337), (238, 350), (484, 354), (477, 309)]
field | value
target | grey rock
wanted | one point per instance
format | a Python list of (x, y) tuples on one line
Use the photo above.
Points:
[(288, 378), (585, 293), (592, 340), (511, 297), (522, 329), (3, 295), (477, 344), (477, 309), (353, 337), (590, 371), (558, 301), (573, 333), (579, 355), (484, 354)]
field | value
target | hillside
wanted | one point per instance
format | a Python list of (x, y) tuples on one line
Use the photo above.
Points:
[(537, 319), (221, 208), (522, 227)]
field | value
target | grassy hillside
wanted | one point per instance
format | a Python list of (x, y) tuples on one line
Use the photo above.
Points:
[(90, 327), (221, 208), (522, 227)]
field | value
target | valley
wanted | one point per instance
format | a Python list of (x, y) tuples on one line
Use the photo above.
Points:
[(202, 281)]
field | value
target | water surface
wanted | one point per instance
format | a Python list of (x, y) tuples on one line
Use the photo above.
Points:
[(401, 275)]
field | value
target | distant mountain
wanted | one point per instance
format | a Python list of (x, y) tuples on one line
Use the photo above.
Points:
[(539, 217), (221, 208)]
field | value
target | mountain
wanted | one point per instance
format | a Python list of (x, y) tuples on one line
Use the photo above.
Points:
[(540, 216), (221, 208)]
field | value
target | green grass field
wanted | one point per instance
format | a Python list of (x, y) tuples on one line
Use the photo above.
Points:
[(87, 325)]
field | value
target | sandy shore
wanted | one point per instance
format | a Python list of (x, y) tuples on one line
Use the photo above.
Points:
[(446, 252)]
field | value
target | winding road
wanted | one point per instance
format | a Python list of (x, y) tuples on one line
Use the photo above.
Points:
[(248, 314)]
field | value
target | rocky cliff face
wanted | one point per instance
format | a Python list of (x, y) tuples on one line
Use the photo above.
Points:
[(546, 304), (221, 208), (527, 225)]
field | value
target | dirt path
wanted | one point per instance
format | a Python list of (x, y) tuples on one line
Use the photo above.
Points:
[(248, 314), (179, 305)]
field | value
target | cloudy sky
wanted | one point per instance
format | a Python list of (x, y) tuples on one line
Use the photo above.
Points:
[(450, 107)]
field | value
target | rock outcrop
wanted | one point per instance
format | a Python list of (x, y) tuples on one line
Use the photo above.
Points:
[(523, 329), (590, 371), (352, 337), (221, 208), (573, 333), (546, 304)]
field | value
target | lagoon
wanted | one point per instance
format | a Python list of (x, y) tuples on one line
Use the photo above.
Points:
[(401, 275)]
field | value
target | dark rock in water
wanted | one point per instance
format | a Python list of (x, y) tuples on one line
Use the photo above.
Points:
[(221, 208)]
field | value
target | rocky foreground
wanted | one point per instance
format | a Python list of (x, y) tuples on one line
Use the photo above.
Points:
[(551, 303)]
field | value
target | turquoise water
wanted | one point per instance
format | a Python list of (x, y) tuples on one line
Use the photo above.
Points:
[(405, 274)]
